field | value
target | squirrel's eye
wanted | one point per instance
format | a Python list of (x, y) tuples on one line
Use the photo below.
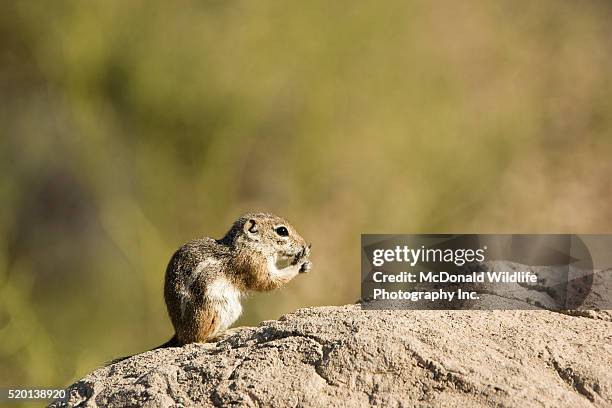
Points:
[(282, 231)]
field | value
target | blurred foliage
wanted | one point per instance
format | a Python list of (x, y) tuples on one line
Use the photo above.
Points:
[(130, 127)]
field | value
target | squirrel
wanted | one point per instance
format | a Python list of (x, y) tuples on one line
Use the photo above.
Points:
[(206, 278)]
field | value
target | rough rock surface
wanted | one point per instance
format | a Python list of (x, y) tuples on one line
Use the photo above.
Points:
[(346, 356)]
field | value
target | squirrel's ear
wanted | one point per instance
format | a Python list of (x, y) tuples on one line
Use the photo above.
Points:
[(250, 227)]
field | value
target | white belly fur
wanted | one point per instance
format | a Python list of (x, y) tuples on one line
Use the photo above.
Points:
[(225, 300)]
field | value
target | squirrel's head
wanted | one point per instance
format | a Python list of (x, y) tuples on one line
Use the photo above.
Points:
[(264, 246), (267, 234)]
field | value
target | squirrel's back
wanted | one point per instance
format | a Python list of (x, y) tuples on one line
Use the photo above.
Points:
[(191, 270)]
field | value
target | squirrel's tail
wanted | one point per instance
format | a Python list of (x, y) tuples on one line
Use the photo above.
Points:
[(173, 342)]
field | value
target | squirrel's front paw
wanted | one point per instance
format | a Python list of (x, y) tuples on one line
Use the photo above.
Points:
[(301, 255), (306, 266)]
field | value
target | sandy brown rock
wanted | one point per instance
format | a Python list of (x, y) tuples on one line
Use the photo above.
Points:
[(346, 356)]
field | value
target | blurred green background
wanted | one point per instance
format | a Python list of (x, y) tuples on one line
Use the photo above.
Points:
[(130, 127)]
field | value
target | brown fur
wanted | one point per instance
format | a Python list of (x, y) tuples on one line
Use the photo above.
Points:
[(251, 273), (241, 256)]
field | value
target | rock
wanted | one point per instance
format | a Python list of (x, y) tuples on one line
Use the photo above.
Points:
[(346, 356)]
